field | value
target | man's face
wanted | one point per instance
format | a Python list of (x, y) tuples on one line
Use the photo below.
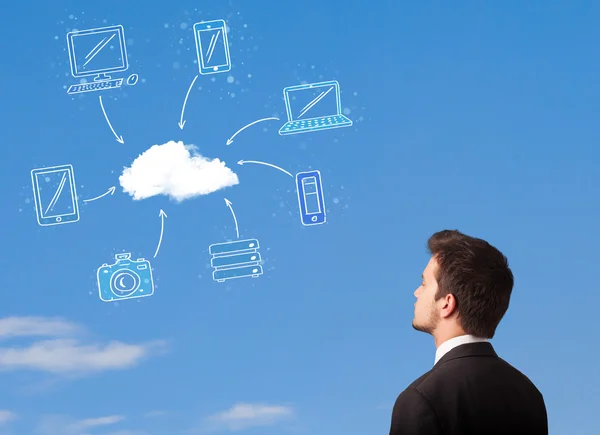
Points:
[(426, 315)]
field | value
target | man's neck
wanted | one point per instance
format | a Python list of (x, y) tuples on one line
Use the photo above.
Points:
[(453, 342), (440, 337)]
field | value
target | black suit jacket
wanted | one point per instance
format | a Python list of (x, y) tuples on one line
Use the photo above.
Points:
[(470, 391)]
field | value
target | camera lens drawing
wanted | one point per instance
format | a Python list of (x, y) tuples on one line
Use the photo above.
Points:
[(102, 51), (125, 279)]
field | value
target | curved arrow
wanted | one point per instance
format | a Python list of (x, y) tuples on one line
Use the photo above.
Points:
[(230, 140), (241, 162), (162, 215), (110, 191), (237, 231), (181, 121), (119, 138)]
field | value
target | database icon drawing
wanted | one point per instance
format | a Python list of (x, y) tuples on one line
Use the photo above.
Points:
[(212, 47), (55, 195), (98, 53), (310, 198), (313, 107), (236, 259), (125, 279)]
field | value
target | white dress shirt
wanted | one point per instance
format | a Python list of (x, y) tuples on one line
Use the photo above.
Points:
[(448, 345)]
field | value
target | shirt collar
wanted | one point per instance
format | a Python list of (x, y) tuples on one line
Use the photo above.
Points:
[(448, 345)]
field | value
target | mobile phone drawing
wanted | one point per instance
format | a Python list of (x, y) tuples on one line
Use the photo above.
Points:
[(212, 47), (310, 198), (55, 195)]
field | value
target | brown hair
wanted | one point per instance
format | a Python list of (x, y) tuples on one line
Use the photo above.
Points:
[(478, 276)]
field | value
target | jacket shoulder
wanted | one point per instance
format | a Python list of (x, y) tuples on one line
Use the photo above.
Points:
[(413, 414)]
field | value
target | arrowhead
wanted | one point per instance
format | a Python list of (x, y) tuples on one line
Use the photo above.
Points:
[(227, 202), (229, 141), (120, 139), (162, 213), (241, 162), (181, 124), (112, 190)]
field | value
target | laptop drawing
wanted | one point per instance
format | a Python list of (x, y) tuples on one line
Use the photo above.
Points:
[(312, 107)]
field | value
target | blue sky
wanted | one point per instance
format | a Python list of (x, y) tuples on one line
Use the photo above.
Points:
[(476, 117)]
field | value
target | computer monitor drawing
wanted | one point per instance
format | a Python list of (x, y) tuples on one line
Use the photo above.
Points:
[(312, 107), (97, 52)]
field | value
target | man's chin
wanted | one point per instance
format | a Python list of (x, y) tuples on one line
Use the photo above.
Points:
[(420, 327)]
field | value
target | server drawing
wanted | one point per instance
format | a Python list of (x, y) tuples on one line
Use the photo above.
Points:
[(235, 259)]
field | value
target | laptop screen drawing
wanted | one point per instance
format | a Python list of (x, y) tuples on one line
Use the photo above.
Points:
[(313, 102)]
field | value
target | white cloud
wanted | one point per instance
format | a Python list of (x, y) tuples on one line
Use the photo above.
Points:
[(176, 170), (68, 355), (64, 425), (245, 415), (11, 327), (88, 423), (6, 416)]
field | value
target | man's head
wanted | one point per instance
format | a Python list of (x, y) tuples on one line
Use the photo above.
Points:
[(466, 287)]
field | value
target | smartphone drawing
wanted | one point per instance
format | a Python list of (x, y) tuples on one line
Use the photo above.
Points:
[(212, 47), (310, 198), (55, 195)]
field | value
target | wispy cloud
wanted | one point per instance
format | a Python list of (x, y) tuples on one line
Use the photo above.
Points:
[(64, 425), (156, 414), (88, 423), (245, 415), (64, 349), (11, 327), (6, 416)]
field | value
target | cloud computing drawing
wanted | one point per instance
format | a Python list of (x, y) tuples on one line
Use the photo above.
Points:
[(55, 195), (125, 279), (212, 47), (313, 107), (310, 198), (236, 259), (98, 52)]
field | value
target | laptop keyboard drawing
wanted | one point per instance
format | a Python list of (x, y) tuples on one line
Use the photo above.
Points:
[(313, 107)]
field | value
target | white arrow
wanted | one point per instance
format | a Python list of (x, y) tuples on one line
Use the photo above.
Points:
[(181, 121), (230, 140), (110, 191), (237, 231), (119, 138), (241, 162), (162, 215)]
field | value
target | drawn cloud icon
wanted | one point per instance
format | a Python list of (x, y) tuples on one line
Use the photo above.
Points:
[(176, 170)]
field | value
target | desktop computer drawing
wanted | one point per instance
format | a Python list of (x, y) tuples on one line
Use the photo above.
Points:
[(313, 107), (98, 53), (236, 259)]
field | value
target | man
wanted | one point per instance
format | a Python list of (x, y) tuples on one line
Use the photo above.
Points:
[(464, 294)]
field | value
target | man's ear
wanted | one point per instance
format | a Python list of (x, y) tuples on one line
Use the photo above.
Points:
[(448, 305)]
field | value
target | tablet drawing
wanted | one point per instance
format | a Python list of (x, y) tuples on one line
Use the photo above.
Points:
[(55, 195)]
